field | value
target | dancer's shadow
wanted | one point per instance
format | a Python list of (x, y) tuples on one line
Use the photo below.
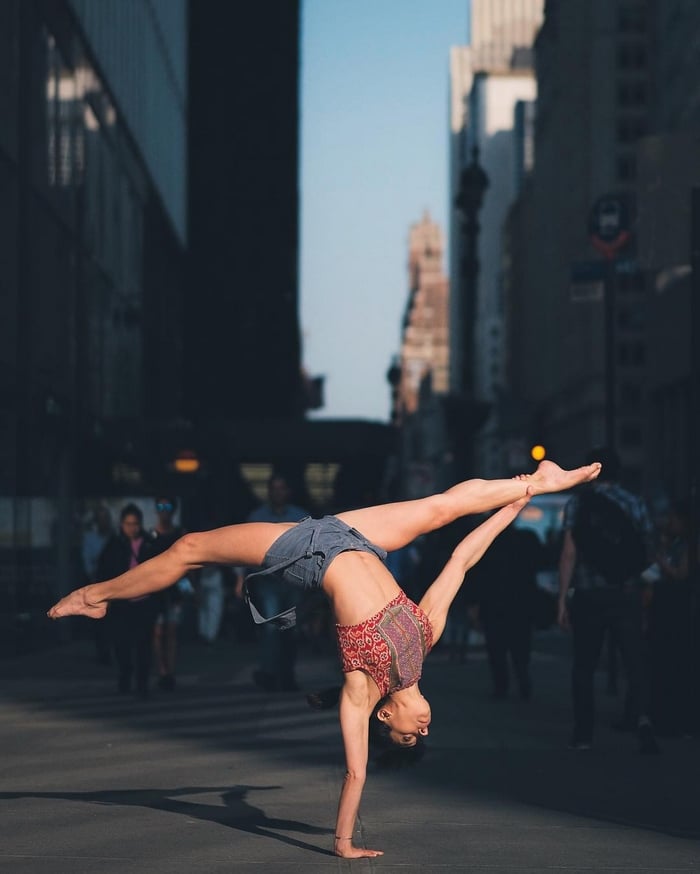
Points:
[(236, 813)]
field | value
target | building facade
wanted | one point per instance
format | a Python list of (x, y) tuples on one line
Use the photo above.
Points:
[(600, 351), (494, 99), (502, 32), (92, 170), (667, 177), (593, 106), (492, 82), (422, 377), (243, 321)]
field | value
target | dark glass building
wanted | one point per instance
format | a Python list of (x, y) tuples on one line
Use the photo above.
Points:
[(93, 182), (243, 349)]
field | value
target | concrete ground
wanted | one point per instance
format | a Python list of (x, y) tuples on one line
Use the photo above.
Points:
[(220, 776)]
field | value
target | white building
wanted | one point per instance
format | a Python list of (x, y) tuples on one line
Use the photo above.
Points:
[(490, 83), (501, 30), (461, 78), (493, 101)]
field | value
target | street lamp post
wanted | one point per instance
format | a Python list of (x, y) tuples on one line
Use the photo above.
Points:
[(467, 414), (608, 227), (473, 183)]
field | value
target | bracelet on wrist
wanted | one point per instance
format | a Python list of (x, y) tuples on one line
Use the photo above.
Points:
[(338, 838)]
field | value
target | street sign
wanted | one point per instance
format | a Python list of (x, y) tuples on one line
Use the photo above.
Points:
[(587, 278), (608, 225), (587, 282)]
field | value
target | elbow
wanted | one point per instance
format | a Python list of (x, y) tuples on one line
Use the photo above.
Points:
[(468, 558)]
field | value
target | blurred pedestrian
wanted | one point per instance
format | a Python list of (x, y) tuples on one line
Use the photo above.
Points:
[(504, 586), (94, 540), (171, 602), (459, 619), (607, 536), (131, 621), (670, 634), (210, 602), (277, 649), (403, 566)]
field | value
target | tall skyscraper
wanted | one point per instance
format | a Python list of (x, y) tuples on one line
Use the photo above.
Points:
[(424, 342), (585, 147), (243, 322), (421, 376), (491, 81), (502, 33)]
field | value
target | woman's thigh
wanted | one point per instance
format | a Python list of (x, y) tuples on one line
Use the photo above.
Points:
[(392, 526), (244, 544)]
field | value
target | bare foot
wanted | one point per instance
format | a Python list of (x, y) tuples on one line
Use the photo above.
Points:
[(345, 850), (78, 604), (549, 477)]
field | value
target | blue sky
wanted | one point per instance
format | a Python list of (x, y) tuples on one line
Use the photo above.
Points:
[(374, 141)]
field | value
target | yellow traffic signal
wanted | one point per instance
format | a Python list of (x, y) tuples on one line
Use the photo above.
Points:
[(186, 461), (538, 452)]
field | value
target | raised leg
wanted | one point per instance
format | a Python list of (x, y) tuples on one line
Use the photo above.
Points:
[(392, 526), (244, 544)]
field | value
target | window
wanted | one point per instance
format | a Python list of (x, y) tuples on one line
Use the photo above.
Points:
[(632, 94), (631, 354), (626, 168), (632, 57), (639, 354), (632, 17), (64, 158), (630, 129), (630, 318), (631, 284), (630, 396)]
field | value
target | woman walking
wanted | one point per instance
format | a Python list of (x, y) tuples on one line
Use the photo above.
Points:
[(131, 620)]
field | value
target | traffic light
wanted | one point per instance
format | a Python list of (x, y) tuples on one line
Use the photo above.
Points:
[(538, 452), (186, 461)]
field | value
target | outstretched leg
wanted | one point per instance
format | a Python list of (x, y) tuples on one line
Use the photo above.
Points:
[(392, 526), (244, 544)]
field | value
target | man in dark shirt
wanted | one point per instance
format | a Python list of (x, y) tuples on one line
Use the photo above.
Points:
[(504, 586), (598, 594)]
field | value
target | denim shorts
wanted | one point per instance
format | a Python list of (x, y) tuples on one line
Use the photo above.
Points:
[(302, 555)]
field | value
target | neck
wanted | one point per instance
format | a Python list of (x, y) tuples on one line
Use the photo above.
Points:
[(411, 693)]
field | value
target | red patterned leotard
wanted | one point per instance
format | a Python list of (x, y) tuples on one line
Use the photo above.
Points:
[(389, 646)]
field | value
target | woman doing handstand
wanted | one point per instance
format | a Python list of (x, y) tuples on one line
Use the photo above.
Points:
[(383, 636)]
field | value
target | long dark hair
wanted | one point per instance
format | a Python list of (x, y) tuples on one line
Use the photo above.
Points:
[(131, 510), (386, 753)]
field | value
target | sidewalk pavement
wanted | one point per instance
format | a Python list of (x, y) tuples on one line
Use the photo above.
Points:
[(219, 776)]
